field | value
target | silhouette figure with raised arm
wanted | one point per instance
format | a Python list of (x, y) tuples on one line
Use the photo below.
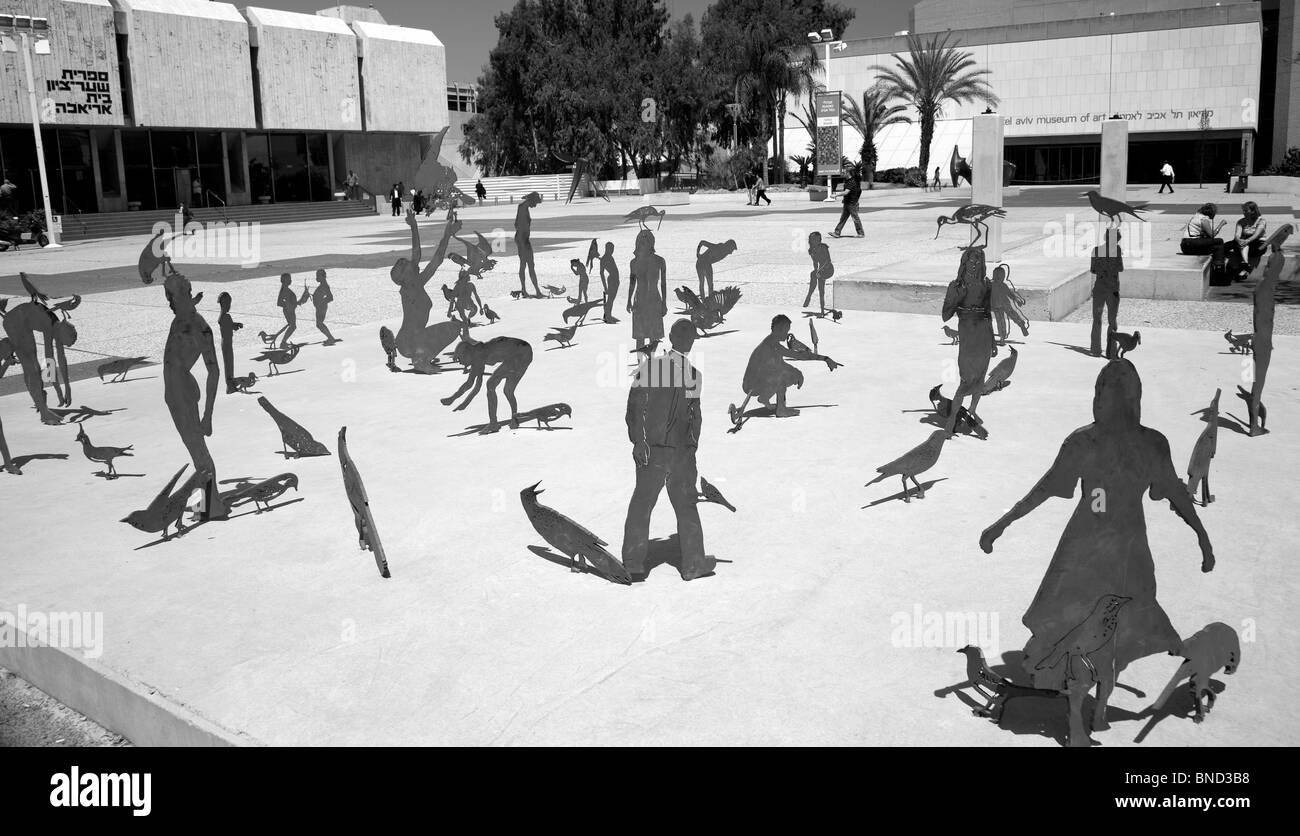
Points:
[(288, 303), (1104, 549), (227, 326), (663, 424), (416, 340), (967, 298), (510, 355), (647, 290), (189, 339), (524, 243), (321, 298), (707, 256)]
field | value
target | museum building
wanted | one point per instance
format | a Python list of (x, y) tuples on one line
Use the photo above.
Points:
[(138, 99), (1200, 82)]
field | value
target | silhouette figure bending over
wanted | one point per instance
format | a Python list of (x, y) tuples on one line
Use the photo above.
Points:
[(706, 256), (21, 324), (510, 355)]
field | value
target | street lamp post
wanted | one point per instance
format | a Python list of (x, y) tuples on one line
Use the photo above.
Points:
[(827, 38), (31, 32)]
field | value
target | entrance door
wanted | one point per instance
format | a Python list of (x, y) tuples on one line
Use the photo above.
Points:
[(181, 180)]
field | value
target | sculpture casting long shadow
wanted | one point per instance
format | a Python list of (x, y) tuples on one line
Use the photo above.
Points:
[(925, 486), (543, 415)]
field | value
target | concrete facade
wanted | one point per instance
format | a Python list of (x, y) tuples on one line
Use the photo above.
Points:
[(77, 83), (189, 63), (404, 75), (306, 71)]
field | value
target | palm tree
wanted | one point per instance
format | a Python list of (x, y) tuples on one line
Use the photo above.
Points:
[(805, 163), (770, 68), (874, 114), (933, 74)]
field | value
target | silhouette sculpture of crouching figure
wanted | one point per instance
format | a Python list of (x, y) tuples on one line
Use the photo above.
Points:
[(510, 355), (663, 424), (189, 339), (1103, 551), (21, 325)]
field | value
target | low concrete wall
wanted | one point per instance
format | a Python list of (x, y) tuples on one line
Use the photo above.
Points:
[(865, 294), (134, 710)]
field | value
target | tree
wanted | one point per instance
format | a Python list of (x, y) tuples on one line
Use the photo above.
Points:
[(761, 48), (875, 113), (933, 74)]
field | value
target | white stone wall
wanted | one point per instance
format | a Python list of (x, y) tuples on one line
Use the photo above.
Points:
[(190, 65), (306, 71), (77, 83), (404, 78)]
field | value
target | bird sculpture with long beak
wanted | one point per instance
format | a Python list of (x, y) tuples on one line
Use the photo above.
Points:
[(644, 214), (976, 215)]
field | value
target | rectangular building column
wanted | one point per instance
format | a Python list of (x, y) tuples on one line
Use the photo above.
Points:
[(986, 175), (1114, 159)]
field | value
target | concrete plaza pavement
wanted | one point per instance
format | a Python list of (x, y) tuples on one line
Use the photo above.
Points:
[(274, 629)]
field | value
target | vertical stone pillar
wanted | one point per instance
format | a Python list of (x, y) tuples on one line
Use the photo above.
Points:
[(1114, 159), (986, 174)]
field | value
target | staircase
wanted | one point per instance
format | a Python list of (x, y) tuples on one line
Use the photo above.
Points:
[(115, 224)]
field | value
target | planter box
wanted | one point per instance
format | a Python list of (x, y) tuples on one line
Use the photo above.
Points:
[(816, 194)]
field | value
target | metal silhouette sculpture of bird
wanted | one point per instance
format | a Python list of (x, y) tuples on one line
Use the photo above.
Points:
[(1087, 638), (644, 214), (563, 336), (167, 509), (367, 534), (1000, 377), (544, 415), (1124, 343), (492, 316), (571, 539), (647, 350), (1111, 208), (708, 493), (102, 455), (965, 421), (448, 294), (268, 340), (1207, 445), (36, 295), (688, 298), (263, 493), (593, 254), (995, 690), (812, 334), (581, 309), (293, 435), (1239, 343), (243, 384), (556, 292), (478, 255), (4, 306), (913, 463), (972, 214), (277, 357), (952, 334), (117, 370)]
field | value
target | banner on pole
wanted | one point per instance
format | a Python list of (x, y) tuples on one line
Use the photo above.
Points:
[(830, 132)]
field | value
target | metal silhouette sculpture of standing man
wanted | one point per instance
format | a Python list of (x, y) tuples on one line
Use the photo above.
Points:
[(609, 279), (663, 424), (288, 303), (189, 339), (524, 243), (1107, 264)]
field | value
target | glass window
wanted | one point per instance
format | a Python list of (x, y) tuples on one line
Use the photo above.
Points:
[(289, 167), (259, 168), (106, 149), (235, 160)]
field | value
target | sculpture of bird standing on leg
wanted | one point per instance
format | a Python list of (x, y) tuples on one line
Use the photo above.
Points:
[(571, 539), (913, 463)]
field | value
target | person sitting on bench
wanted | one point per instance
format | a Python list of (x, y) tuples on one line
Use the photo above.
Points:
[(1247, 247), (1202, 235)]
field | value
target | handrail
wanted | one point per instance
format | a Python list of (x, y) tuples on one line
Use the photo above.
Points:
[(66, 201), (224, 216)]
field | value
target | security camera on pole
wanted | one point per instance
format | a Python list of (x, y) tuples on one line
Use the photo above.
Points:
[(32, 34)]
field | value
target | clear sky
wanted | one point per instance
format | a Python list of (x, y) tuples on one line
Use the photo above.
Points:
[(465, 26)]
